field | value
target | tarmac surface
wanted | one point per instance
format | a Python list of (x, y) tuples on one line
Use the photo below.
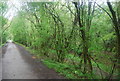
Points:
[(17, 63)]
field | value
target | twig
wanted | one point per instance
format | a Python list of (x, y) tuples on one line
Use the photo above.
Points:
[(105, 11), (98, 67), (112, 71)]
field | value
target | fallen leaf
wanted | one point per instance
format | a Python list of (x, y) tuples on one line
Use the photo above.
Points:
[(34, 57)]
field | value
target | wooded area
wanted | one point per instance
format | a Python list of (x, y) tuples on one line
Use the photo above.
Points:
[(80, 40)]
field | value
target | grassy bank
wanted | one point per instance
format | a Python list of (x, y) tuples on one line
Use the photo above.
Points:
[(67, 68)]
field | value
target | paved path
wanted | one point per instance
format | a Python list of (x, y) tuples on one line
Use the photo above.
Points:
[(18, 64)]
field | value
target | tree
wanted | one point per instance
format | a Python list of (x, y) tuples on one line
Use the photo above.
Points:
[(115, 19), (3, 21), (83, 17)]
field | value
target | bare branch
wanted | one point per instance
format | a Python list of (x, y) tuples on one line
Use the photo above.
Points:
[(105, 11)]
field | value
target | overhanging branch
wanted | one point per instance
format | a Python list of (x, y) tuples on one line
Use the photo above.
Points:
[(105, 11)]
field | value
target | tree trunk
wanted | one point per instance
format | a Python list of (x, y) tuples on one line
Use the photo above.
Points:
[(116, 27), (85, 39)]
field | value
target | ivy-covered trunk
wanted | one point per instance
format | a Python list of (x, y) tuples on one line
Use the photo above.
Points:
[(84, 30)]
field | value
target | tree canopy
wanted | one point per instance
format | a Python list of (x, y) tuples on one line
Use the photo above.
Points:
[(80, 36)]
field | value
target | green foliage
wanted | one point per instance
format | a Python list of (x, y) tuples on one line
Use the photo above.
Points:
[(3, 8), (52, 31), (67, 70), (3, 33)]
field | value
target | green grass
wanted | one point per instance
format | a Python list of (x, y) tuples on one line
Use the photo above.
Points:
[(104, 67), (67, 68), (63, 69)]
